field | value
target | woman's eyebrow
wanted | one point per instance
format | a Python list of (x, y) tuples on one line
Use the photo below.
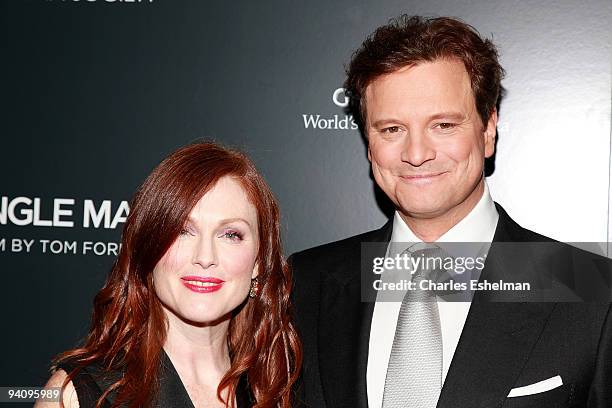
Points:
[(193, 221)]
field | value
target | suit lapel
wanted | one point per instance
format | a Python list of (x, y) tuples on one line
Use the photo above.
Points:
[(495, 343), (344, 327), (497, 337), (494, 346)]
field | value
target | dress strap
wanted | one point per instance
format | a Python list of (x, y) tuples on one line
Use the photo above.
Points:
[(88, 391)]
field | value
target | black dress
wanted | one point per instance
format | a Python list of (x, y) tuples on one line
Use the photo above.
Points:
[(91, 382)]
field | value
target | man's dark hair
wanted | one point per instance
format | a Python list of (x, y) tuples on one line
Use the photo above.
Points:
[(410, 40)]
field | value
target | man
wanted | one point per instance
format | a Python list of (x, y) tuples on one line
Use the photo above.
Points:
[(425, 92)]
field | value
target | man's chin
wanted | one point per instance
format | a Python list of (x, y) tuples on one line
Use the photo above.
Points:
[(422, 210)]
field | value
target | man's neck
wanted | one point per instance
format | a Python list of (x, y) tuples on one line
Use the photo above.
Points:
[(430, 229)]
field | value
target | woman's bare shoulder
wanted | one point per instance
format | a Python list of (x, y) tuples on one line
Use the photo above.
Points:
[(69, 395)]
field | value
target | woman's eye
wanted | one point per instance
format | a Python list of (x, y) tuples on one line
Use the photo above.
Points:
[(185, 231), (233, 235)]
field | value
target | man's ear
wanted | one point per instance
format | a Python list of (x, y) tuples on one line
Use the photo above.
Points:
[(369, 152), (490, 134)]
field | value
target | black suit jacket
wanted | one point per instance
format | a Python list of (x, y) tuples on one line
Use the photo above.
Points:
[(503, 345)]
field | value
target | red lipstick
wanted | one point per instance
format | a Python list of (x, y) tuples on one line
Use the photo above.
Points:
[(202, 284)]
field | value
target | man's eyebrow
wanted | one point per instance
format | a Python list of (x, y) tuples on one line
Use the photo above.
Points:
[(440, 115), (383, 122), (448, 115)]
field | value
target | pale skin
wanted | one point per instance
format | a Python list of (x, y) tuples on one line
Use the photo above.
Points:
[(427, 144), (220, 240)]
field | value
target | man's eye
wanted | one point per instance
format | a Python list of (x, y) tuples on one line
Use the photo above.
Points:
[(446, 125), (391, 129)]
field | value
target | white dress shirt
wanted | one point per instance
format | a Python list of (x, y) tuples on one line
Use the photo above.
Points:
[(478, 226)]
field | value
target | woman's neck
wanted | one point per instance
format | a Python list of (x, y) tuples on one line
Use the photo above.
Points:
[(200, 354)]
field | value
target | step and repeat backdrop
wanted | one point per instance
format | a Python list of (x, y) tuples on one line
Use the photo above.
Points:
[(95, 93)]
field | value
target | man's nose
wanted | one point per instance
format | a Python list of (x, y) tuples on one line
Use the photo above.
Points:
[(417, 149)]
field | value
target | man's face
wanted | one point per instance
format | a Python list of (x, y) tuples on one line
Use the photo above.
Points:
[(426, 141)]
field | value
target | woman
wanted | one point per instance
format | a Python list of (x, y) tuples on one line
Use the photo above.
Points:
[(196, 309)]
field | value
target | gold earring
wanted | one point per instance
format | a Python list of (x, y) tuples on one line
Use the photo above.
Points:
[(254, 287)]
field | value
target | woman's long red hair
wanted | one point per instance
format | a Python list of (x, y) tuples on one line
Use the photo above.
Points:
[(128, 326)]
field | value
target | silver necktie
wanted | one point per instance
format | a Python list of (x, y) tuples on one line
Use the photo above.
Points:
[(414, 373)]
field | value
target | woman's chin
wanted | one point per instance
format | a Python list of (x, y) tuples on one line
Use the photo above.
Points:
[(205, 318)]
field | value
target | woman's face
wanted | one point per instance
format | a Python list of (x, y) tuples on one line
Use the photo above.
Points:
[(206, 273)]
